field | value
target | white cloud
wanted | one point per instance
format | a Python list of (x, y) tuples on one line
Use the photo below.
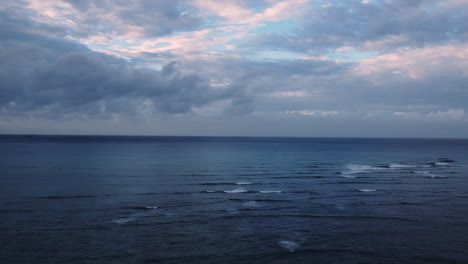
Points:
[(290, 94), (451, 114), (313, 113), (417, 63)]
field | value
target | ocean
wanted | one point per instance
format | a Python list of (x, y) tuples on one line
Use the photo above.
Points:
[(122, 199)]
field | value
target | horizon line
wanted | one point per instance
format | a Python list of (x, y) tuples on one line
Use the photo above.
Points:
[(226, 136)]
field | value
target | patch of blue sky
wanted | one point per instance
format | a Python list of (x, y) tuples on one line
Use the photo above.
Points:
[(160, 45), (279, 27), (258, 6), (59, 7), (274, 55), (351, 55), (95, 46), (122, 43)]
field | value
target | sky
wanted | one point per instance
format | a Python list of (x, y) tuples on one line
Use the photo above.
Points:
[(331, 68)]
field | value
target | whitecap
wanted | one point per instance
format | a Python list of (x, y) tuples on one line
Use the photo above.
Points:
[(433, 176), (243, 183), (340, 207), (238, 190), (442, 164), (421, 172), (348, 176), (289, 245), (271, 191), (250, 204), (367, 190), (122, 221), (151, 207), (232, 211), (355, 169), (210, 191), (423, 166), (399, 166)]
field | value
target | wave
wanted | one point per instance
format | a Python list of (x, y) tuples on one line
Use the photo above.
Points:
[(238, 190), (122, 221), (421, 172), (250, 204), (447, 160), (363, 169), (400, 166), (289, 245), (67, 197), (243, 183), (357, 182), (434, 176), (366, 190), (358, 169), (225, 183), (296, 177), (366, 217), (438, 164), (140, 207), (215, 183), (259, 200), (268, 209)]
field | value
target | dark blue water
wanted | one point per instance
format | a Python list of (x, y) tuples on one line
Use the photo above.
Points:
[(67, 199)]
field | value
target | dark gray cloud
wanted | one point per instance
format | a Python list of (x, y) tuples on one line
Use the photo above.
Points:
[(16, 18), (42, 75)]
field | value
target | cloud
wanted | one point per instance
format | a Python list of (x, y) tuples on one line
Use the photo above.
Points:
[(238, 12), (339, 65), (56, 78), (312, 113), (116, 19), (372, 26), (442, 115), (420, 63)]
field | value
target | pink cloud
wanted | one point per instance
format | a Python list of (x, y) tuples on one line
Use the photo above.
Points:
[(234, 12), (416, 63)]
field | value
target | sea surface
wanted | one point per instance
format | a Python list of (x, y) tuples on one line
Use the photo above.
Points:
[(106, 199)]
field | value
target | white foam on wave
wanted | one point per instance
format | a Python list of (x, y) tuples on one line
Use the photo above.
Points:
[(421, 172), (289, 245), (442, 164), (400, 166), (151, 207), (210, 191), (434, 176), (238, 190), (356, 169), (340, 206), (122, 221), (348, 176), (232, 211), (367, 190), (243, 183), (250, 204), (271, 191), (423, 166)]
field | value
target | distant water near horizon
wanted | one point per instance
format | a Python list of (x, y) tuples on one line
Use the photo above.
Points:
[(112, 199)]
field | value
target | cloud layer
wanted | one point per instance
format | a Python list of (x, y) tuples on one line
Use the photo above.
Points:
[(363, 68)]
